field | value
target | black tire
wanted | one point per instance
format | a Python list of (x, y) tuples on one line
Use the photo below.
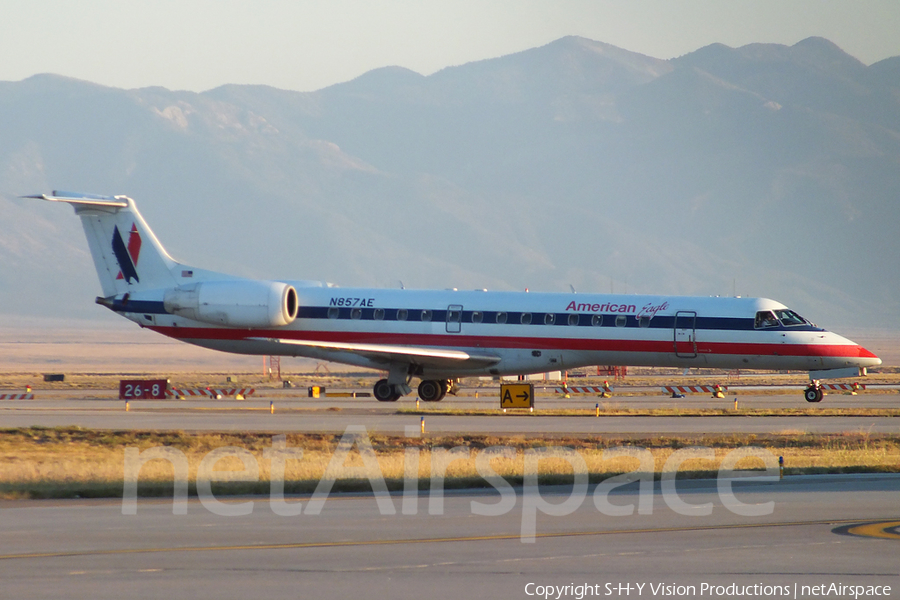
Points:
[(813, 394), (431, 390), (384, 392)]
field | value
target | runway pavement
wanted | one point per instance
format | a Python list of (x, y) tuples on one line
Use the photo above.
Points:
[(293, 414), (821, 530)]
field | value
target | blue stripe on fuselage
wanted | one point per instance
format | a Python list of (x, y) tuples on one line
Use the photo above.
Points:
[(147, 307), (488, 317)]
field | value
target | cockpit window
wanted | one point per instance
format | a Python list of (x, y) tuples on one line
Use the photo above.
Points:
[(765, 318), (789, 318)]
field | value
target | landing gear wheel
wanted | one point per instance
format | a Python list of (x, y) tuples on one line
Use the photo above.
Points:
[(813, 394), (431, 390), (384, 391)]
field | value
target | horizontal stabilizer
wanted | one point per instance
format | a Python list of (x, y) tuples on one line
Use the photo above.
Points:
[(87, 199)]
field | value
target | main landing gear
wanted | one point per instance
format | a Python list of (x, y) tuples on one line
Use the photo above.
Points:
[(814, 393), (385, 392), (396, 384), (432, 390)]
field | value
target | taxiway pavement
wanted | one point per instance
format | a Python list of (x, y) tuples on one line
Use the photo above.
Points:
[(821, 530)]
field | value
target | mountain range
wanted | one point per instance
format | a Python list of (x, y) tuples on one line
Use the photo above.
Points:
[(764, 170)]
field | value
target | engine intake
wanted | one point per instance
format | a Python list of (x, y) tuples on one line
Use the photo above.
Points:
[(238, 303)]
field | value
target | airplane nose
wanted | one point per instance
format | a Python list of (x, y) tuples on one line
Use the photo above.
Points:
[(871, 359), (853, 353)]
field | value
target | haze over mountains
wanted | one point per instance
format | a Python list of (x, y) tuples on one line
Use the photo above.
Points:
[(764, 170)]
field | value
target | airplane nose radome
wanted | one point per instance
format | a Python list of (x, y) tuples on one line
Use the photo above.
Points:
[(863, 353)]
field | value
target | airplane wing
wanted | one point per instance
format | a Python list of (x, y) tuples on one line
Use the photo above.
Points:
[(383, 353)]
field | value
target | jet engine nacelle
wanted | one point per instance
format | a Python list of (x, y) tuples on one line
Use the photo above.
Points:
[(238, 303)]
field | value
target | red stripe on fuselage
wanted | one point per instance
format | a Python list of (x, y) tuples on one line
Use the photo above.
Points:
[(516, 342)]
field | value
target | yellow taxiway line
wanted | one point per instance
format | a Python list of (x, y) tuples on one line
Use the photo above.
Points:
[(877, 530)]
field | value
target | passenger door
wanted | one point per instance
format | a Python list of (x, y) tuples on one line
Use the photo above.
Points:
[(686, 334), (454, 318)]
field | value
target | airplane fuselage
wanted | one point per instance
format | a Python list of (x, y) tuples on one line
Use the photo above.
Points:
[(532, 332)]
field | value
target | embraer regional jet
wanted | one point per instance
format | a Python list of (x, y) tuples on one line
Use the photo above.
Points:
[(437, 336)]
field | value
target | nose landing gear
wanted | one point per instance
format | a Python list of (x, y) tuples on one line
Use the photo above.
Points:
[(814, 393)]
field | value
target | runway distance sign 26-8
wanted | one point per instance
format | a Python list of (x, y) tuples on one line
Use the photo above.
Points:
[(143, 389)]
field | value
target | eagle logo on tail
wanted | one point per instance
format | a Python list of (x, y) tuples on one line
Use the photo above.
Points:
[(127, 256)]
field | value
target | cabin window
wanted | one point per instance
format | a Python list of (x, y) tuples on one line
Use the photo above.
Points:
[(426, 315), (621, 320), (644, 322), (333, 312), (573, 319), (355, 313), (597, 320), (549, 319), (789, 318), (402, 314), (378, 315), (501, 318), (477, 316), (765, 319), (525, 319)]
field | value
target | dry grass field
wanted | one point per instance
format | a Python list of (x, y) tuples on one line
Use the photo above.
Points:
[(72, 462)]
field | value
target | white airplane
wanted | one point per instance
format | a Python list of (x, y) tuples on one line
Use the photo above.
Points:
[(439, 335)]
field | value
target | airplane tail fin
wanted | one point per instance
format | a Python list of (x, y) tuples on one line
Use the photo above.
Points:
[(126, 254)]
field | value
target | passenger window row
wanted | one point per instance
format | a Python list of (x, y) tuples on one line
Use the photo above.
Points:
[(498, 317)]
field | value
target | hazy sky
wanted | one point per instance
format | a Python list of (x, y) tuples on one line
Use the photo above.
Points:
[(309, 44)]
